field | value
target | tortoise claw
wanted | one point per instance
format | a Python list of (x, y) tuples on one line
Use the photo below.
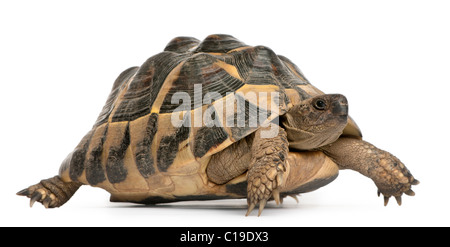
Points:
[(37, 196), (262, 204), (250, 209), (47, 202), (23, 192), (252, 206), (276, 196), (399, 200), (410, 193), (295, 198), (386, 200)]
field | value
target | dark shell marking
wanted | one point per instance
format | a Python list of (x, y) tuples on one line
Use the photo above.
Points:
[(208, 137), (131, 132), (115, 165), (94, 170), (144, 158), (168, 147)]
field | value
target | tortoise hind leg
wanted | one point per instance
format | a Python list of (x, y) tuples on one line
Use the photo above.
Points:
[(52, 192)]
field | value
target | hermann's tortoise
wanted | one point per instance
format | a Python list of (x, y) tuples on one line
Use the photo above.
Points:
[(219, 119)]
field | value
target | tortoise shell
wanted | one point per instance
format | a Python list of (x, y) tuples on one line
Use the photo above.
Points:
[(136, 152)]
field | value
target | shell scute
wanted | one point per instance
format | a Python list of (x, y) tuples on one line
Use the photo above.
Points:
[(119, 85), (200, 76), (219, 43), (145, 86), (182, 44)]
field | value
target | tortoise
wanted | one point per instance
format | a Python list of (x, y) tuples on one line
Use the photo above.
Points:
[(219, 119)]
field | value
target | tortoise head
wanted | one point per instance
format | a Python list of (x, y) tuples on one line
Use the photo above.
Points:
[(316, 121)]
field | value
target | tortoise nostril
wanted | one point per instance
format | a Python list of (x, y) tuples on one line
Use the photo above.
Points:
[(343, 100), (340, 106)]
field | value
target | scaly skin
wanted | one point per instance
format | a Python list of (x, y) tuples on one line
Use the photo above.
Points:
[(389, 174)]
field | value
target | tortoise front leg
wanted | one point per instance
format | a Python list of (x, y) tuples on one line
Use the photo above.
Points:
[(266, 167), (389, 174)]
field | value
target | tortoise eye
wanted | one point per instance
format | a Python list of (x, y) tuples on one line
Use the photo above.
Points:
[(320, 104)]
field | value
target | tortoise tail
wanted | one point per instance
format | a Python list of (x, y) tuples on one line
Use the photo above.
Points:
[(52, 192)]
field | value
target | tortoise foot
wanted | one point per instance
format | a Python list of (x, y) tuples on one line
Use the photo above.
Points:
[(263, 184), (392, 178), (52, 192)]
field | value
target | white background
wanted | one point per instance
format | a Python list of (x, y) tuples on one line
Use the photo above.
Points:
[(391, 59)]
